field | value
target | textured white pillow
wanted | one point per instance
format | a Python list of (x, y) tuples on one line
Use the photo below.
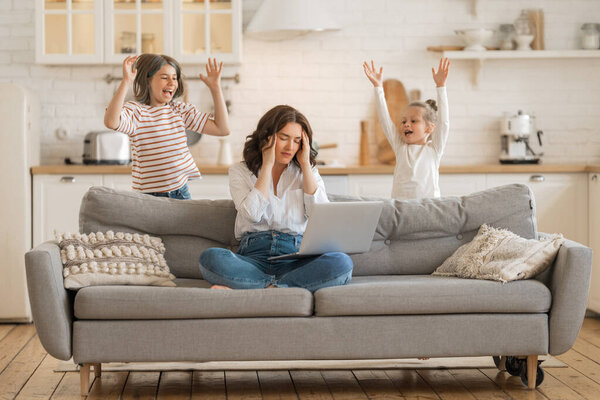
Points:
[(113, 259), (501, 255)]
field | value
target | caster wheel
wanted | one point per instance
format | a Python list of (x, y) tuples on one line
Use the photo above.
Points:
[(514, 365), (539, 376), (497, 361)]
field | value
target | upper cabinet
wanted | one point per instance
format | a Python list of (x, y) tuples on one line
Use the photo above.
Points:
[(68, 31), (96, 31)]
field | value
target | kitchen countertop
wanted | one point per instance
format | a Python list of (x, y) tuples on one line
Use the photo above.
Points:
[(326, 170)]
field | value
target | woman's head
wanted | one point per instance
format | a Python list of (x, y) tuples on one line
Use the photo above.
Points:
[(158, 80), (287, 124), (418, 121)]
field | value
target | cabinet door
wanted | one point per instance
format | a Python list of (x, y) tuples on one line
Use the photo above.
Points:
[(137, 26), (204, 29), (68, 31), (118, 181), (561, 201), (211, 187), (56, 202), (371, 185), (461, 184), (336, 184), (594, 242)]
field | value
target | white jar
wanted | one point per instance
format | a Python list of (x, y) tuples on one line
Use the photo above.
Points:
[(590, 37)]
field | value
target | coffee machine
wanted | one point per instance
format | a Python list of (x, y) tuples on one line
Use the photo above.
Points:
[(514, 136)]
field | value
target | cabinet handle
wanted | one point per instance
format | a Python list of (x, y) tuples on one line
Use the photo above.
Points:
[(594, 178), (537, 178), (67, 179)]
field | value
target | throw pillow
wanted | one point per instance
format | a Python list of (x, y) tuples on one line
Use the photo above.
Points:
[(501, 255), (113, 259)]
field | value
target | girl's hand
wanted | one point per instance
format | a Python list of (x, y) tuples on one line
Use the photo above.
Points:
[(213, 74), (303, 154), (268, 152), (129, 71), (375, 77), (440, 76)]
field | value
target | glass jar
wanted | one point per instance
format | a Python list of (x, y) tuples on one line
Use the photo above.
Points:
[(505, 34), (523, 25), (590, 37)]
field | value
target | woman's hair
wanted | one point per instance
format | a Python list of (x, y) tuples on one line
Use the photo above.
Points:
[(429, 109), (147, 65), (272, 122)]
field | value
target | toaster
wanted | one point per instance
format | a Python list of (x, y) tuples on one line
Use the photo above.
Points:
[(106, 147)]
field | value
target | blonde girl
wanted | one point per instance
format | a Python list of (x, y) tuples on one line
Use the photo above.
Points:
[(420, 139)]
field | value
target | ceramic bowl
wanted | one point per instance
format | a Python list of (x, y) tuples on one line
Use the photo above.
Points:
[(523, 42), (475, 38)]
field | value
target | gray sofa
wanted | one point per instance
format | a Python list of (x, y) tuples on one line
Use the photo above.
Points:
[(393, 308)]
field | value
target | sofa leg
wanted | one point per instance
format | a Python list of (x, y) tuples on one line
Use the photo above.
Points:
[(532, 364), (84, 378), (98, 370)]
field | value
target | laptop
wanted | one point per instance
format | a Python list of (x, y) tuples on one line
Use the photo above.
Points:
[(348, 227)]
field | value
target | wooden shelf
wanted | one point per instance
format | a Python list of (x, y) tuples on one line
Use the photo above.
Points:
[(522, 54), (479, 56)]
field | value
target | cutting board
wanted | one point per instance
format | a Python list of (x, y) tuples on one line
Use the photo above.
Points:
[(397, 100)]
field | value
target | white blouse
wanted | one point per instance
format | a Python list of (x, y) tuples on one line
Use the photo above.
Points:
[(417, 166), (287, 212)]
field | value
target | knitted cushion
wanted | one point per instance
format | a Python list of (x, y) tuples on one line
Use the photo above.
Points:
[(499, 254), (113, 259)]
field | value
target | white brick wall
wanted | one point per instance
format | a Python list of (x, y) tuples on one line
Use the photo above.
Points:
[(321, 75)]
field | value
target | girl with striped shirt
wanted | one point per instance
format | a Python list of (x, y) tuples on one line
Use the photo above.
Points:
[(156, 124)]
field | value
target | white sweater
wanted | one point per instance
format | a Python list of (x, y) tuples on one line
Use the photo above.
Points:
[(417, 166)]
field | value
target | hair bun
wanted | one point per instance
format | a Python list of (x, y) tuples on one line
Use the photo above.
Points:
[(432, 103)]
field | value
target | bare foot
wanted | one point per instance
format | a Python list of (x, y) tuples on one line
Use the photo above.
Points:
[(220, 287), (270, 286)]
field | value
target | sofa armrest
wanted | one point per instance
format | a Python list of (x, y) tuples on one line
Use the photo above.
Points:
[(51, 303), (569, 284)]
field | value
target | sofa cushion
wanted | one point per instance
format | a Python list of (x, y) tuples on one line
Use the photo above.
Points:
[(427, 294), (416, 236), (187, 227), (412, 237), (190, 299)]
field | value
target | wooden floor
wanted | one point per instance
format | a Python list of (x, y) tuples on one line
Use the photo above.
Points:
[(26, 372)]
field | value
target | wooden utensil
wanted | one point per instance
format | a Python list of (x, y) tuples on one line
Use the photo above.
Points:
[(397, 100), (537, 19), (363, 156)]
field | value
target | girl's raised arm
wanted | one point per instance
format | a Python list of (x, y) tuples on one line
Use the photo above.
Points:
[(439, 137), (112, 116), (220, 125)]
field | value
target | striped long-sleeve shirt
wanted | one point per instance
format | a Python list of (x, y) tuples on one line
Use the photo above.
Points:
[(161, 160)]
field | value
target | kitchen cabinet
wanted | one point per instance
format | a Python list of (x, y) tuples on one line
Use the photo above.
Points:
[(561, 201), (97, 31), (56, 201), (68, 31), (370, 185), (461, 184), (594, 239)]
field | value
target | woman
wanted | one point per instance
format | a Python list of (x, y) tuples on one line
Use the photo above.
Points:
[(273, 190)]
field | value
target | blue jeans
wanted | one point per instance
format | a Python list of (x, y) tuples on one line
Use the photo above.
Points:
[(250, 268), (182, 193)]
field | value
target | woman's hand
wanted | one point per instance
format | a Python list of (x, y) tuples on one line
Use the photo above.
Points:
[(268, 152), (440, 76), (129, 72), (212, 79), (303, 153), (375, 77)]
